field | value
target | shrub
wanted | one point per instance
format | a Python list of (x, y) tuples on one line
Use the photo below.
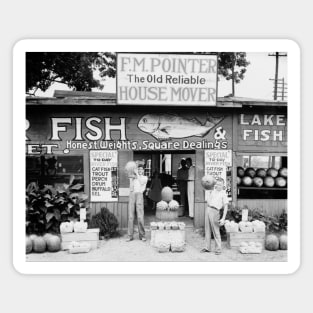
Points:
[(106, 222), (48, 207)]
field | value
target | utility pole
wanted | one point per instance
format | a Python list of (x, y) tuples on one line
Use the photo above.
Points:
[(277, 55), (233, 74), (282, 89)]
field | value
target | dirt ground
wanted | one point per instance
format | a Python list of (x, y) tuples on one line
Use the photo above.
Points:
[(118, 250)]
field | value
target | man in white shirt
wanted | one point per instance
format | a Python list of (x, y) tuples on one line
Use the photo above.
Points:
[(191, 187), (216, 200), (137, 184)]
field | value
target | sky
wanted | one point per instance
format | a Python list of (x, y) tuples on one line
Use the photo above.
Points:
[(256, 83)]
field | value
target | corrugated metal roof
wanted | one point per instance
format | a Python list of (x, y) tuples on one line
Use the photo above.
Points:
[(98, 98)]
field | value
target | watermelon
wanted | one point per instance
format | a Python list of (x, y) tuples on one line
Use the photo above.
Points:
[(130, 168), (271, 242), (39, 244), (167, 194), (269, 181), (250, 172), (261, 172), (46, 236), (32, 237), (29, 245), (283, 242), (240, 171), (283, 172), (208, 182), (173, 205), (162, 205), (53, 243), (257, 181), (273, 172), (247, 181), (280, 182)]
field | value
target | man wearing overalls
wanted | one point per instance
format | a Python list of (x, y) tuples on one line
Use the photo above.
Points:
[(138, 184), (216, 200)]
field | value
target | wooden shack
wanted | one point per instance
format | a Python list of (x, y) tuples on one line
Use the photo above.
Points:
[(90, 136)]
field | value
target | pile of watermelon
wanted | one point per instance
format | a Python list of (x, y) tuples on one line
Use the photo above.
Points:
[(273, 242), (40, 244), (167, 203), (261, 177)]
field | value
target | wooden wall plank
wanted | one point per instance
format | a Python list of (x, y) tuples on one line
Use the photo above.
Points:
[(199, 214), (119, 215), (91, 210), (199, 192), (110, 206), (124, 213), (269, 206)]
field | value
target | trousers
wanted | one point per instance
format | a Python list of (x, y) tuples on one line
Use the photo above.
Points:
[(183, 195), (211, 224), (135, 204), (191, 197)]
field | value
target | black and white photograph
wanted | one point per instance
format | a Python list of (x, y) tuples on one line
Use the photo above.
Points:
[(176, 156)]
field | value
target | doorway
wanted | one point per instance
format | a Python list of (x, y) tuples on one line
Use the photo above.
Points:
[(165, 164)]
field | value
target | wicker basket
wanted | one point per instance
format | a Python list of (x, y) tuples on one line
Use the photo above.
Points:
[(166, 215)]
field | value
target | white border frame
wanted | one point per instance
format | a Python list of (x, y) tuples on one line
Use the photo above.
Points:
[(166, 45)]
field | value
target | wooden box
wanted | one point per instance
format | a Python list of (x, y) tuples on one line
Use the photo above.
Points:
[(165, 215), (235, 238), (91, 236), (167, 236)]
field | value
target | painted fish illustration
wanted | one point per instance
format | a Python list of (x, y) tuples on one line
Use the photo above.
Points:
[(167, 126)]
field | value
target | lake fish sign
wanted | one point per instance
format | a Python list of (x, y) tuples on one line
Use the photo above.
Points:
[(168, 126), (166, 79)]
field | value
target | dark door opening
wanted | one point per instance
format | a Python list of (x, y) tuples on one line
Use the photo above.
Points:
[(165, 165)]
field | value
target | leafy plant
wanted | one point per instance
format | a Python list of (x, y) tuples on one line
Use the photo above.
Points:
[(273, 223), (48, 207), (106, 221)]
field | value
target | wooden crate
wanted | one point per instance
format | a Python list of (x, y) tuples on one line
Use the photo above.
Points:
[(165, 215), (91, 236), (167, 236), (235, 238)]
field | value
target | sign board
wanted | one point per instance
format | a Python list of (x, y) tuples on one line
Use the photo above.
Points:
[(244, 215), (146, 129), (262, 130), (103, 176), (171, 79), (218, 163), (82, 214)]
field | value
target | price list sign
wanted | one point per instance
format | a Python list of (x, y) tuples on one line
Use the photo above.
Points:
[(218, 164), (103, 176)]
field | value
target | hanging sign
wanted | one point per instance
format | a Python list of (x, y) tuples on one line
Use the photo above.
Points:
[(174, 79), (218, 163), (103, 176)]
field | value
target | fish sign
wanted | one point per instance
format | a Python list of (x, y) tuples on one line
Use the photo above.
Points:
[(168, 126)]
